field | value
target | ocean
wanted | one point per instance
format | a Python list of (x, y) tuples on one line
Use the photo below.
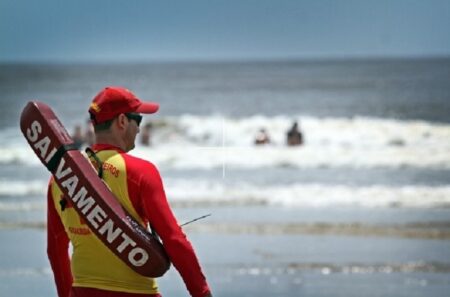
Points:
[(363, 204)]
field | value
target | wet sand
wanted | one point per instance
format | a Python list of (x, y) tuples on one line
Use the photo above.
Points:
[(264, 251)]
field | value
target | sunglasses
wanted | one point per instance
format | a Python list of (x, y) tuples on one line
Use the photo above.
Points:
[(134, 116)]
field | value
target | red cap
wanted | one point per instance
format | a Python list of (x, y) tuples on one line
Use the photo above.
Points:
[(112, 101)]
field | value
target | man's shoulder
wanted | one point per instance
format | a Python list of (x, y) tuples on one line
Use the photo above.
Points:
[(140, 169), (137, 162)]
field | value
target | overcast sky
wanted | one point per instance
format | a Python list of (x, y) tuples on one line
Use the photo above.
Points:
[(145, 30)]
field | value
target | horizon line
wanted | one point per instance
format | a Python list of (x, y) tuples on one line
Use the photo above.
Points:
[(219, 60)]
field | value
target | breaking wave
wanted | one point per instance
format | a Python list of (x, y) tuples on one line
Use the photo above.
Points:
[(213, 141), (186, 193)]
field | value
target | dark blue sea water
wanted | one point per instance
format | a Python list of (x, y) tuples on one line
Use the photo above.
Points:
[(400, 89)]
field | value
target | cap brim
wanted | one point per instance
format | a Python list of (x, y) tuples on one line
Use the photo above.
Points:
[(148, 107)]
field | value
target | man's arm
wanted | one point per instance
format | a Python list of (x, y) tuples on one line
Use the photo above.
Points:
[(177, 246), (58, 248)]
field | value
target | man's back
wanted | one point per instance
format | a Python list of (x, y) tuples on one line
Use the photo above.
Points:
[(93, 264)]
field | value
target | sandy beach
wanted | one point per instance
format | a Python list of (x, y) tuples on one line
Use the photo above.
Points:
[(259, 251)]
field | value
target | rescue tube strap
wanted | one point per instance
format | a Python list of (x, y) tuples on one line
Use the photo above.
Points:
[(54, 161), (99, 164)]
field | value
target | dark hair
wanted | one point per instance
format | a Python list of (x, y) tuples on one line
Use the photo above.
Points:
[(103, 126)]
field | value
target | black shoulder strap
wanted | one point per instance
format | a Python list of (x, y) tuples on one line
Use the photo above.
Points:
[(92, 154), (54, 161)]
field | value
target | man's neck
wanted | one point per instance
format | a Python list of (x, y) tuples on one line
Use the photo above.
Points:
[(111, 140)]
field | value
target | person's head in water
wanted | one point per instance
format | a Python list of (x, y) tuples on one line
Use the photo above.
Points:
[(115, 115)]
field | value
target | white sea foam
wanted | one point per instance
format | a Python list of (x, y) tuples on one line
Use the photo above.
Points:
[(215, 141), (358, 132), (189, 192), (23, 206), (308, 195), (208, 142), (22, 188), (306, 157)]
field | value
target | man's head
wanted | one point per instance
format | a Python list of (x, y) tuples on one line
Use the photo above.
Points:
[(115, 114)]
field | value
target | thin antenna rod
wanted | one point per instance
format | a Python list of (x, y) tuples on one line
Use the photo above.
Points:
[(196, 219)]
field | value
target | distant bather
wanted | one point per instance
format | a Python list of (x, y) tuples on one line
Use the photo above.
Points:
[(294, 136)]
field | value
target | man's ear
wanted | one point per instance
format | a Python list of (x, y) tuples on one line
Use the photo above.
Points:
[(121, 122)]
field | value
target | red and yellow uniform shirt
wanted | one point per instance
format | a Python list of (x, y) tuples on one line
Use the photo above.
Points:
[(137, 185)]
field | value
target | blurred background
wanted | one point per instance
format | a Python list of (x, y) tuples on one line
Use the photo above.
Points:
[(316, 133)]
